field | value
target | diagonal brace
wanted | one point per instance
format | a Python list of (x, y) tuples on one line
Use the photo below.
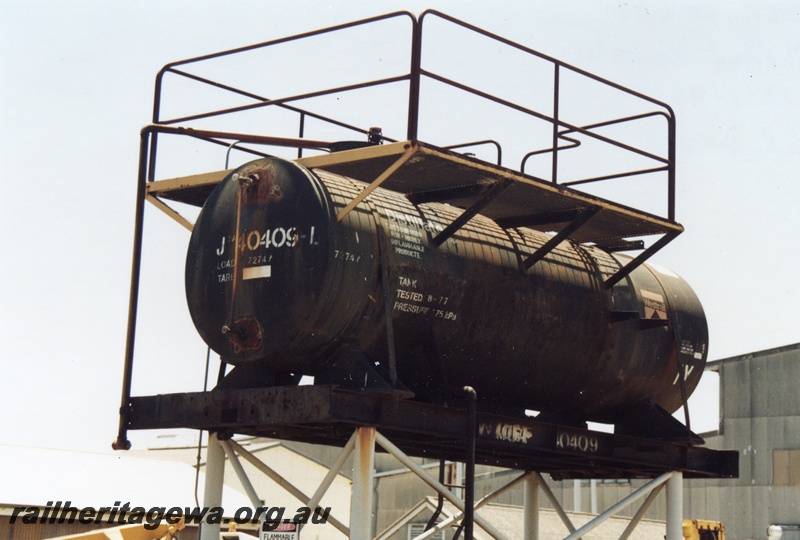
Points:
[(432, 482), (491, 194), (255, 500), (587, 214), (410, 149), (161, 205), (486, 499), (621, 505), (284, 483), (554, 501), (623, 272), (640, 513)]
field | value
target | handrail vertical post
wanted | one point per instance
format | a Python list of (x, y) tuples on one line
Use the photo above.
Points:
[(301, 133), (556, 91), (414, 81), (122, 442), (671, 174), (151, 171)]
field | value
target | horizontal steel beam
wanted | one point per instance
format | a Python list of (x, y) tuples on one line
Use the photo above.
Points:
[(322, 414)]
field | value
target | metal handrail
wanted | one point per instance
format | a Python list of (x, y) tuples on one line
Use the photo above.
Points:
[(415, 74), (557, 123), (282, 102), (480, 143)]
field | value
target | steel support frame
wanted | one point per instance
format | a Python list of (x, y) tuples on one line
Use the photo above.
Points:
[(412, 148), (491, 194), (171, 212), (674, 483), (530, 508), (362, 445), (387, 445), (219, 450), (532, 482), (524, 478)]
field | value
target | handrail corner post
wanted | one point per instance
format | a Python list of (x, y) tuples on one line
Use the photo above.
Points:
[(122, 442), (414, 81), (672, 153)]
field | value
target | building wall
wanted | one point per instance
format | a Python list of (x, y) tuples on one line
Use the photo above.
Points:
[(760, 417)]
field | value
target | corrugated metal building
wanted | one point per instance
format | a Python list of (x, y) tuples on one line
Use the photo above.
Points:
[(759, 417)]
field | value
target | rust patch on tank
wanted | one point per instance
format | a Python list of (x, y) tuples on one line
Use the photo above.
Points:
[(244, 334), (259, 185)]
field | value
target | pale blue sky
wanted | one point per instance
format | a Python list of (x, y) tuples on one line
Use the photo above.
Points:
[(77, 82)]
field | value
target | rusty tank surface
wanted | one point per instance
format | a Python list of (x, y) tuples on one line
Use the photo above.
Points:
[(279, 288)]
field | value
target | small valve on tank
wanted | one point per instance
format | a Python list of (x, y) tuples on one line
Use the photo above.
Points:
[(375, 135)]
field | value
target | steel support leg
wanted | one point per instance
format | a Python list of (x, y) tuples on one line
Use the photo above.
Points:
[(675, 506), (531, 509), (212, 493), (361, 501)]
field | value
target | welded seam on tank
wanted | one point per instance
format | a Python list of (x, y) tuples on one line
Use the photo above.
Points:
[(382, 249), (679, 364)]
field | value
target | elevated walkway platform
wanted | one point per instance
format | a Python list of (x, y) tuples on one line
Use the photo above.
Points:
[(433, 174), (425, 173)]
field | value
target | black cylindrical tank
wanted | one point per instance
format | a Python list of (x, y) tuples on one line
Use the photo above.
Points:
[(272, 278)]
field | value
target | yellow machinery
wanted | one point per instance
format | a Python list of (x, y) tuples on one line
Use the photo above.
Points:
[(700, 529)]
